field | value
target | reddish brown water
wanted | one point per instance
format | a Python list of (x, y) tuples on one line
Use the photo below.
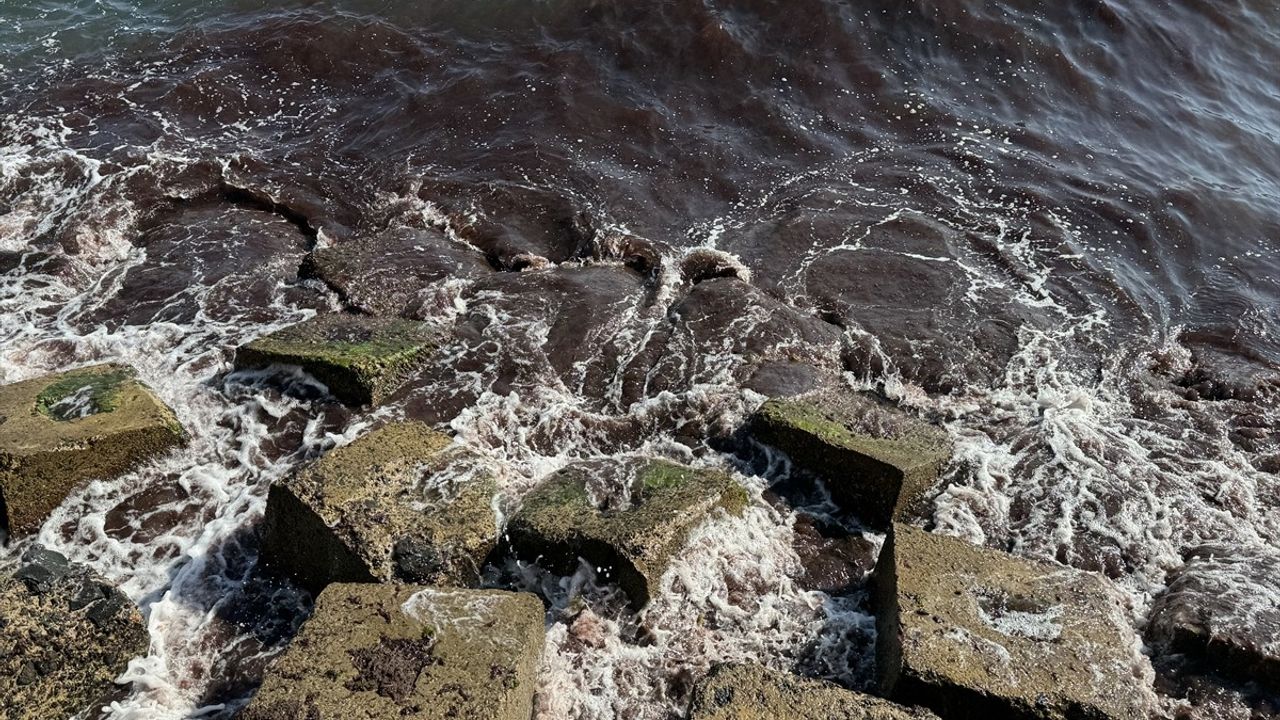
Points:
[(1055, 227)]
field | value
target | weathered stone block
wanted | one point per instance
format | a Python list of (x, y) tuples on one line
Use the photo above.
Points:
[(60, 430), (361, 359), (752, 692), (65, 634), (627, 518), (878, 461), (403, 502), (1223, 608), (976, 633), (372, 652)]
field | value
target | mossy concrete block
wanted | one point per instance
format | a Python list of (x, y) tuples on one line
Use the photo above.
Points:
[(752, 692), (65, 634), (627, 518), (361, 359), (879, 462), (379, 651), (403, 503), (976, 633), (58, 431), (1223, 609)]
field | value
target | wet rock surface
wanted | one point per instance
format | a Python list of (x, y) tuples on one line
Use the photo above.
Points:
[(206, 259), (361, 359), (973, 632), (1222, 611), (879, 462), (724, 322), (58, 431), (583, 341), (372, 652), (752, 692), (626, 517), (834, 560), (403, 502), (392, 273), (514, 225), (65, 634)]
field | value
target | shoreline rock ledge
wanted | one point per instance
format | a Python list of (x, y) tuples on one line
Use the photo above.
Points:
[(377, 651), (61, 430), (974, 633), (65, 634), (878, 461), (361, 358), (402, 503)]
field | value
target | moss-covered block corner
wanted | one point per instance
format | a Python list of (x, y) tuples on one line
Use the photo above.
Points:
[(558, 522), (61, 430), (361, 359), (403, 502), (879, 462), (973, 632)]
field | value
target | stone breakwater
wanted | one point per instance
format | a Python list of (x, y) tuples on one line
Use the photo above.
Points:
[(420, 613)]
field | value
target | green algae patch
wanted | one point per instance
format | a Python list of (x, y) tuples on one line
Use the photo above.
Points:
[(62, 430), (627, 518), (976, 633), (879, 462), (375, 651), (361, 359), (80, 393), (753, 692), (65, 634), (403, 502)]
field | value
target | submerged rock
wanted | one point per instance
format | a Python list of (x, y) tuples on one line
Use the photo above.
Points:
[(1223, 609), (976, 633), (65, 634), (373, 652), (878, 461), (834, 560), (627, 518), (60, 430), (361, 359), (514, 225), (403, 502), (384, 275), (752, 692)]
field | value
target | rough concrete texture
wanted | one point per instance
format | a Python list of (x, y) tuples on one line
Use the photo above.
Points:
[(377, 651), (1223, 608), (627, 518), (362, 359), (879, 462), (403, 502), (58, 431), (752, 692), (64, 636), (976, 633)]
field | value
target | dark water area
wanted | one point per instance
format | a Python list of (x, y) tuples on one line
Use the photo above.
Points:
[(1053, 226), (1131, 150)]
